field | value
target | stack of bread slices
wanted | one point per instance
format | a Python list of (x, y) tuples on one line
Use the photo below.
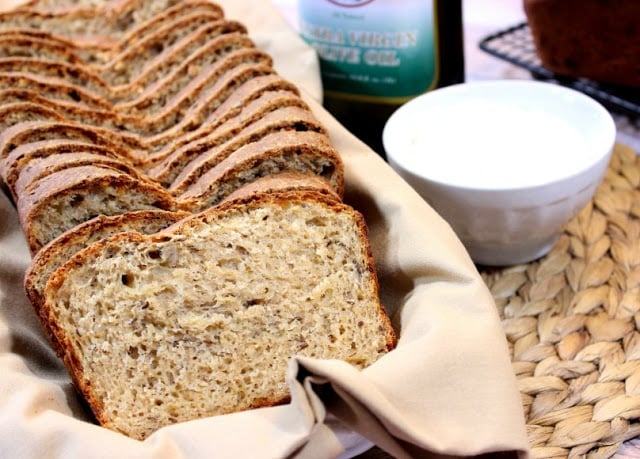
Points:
[(183, 207)]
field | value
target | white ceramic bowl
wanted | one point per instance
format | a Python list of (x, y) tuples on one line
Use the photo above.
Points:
[(507, 163)]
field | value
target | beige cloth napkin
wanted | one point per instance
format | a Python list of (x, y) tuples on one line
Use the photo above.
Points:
[(447, 390)]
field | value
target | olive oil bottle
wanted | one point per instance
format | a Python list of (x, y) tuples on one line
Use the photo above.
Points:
[(376, 55)]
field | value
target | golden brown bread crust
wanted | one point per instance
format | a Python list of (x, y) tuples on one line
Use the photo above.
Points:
[(588, 38)]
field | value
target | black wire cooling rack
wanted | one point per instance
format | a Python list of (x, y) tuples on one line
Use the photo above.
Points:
[(515, 45)]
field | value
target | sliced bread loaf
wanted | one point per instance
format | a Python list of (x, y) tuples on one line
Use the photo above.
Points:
[(180, 8), (61, 200), (188, 111), (180, 90), (202, 318), (96, 28)]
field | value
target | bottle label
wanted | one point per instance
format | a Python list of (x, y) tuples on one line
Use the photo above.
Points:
[(378, 50)]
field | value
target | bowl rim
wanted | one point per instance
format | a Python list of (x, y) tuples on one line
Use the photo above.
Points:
[(608, 128)]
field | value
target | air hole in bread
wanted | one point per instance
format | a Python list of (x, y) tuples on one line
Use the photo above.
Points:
[(127, 279), (316, 222), (74, 95), (133, 352), (254, 302)]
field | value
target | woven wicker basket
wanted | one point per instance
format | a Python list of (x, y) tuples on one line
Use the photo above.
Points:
[(572, 319)]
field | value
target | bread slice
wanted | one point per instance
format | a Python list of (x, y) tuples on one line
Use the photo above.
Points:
[(202, 318), (24, 112), (62, 248), (253, 96), (73, 75), (21, 44), (188, 165), (127, 63), (229, 137), (93, 28), (203, 47), (307, 152), (68, 197), (82, 27), (55, 88), (35, 131), (80, 54), (44, 109), (41, 167), (12, 164), (284, 181)]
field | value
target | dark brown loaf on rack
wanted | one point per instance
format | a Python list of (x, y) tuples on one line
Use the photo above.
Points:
[(181, 202), (588, 38)]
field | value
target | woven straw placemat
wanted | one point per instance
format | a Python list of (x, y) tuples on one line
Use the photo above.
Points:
[(572, 320)]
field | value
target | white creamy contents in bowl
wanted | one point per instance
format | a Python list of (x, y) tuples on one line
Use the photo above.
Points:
[(497, 135), (488, 144)]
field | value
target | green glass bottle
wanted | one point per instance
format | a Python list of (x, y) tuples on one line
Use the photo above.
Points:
[(376, 55)]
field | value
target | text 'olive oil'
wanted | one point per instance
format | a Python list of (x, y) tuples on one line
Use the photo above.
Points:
[(376, 55)]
